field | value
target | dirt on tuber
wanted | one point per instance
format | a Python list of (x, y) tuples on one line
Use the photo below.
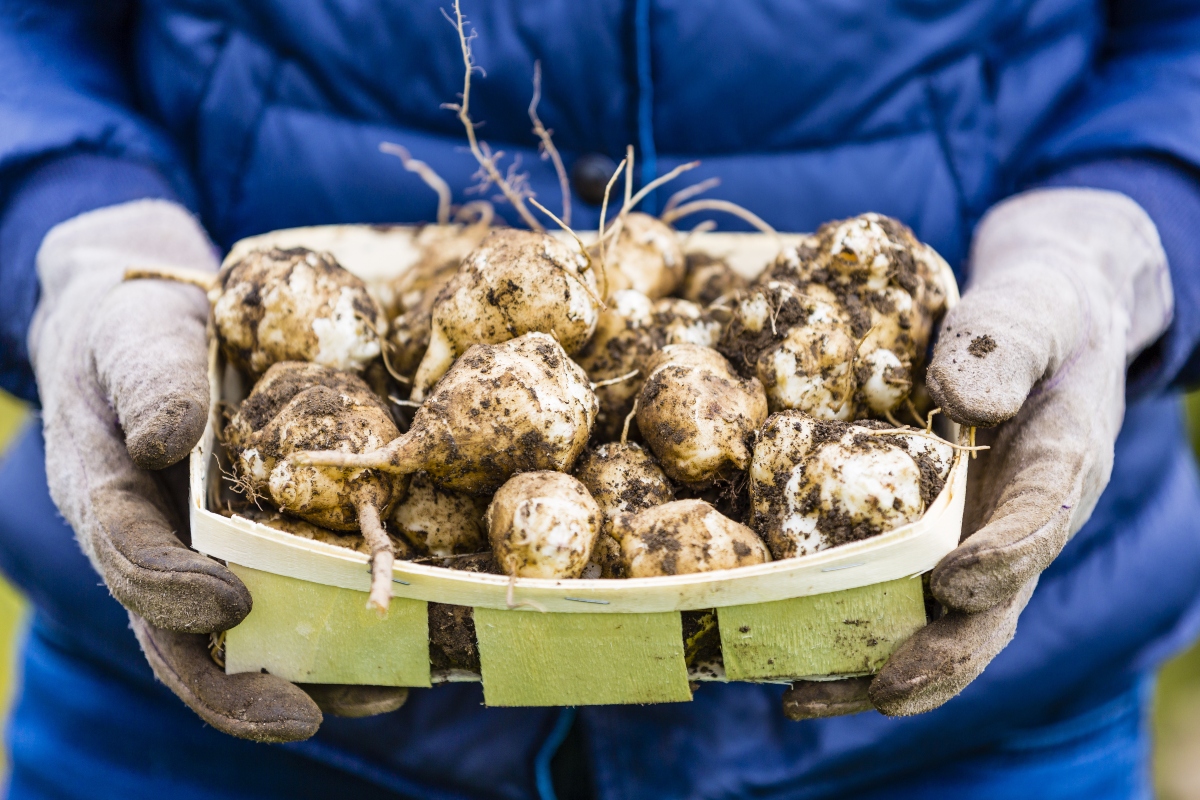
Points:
[(543, 525), (298, 406), (698, 416), (518, 406), (684, 536), (515, 282)]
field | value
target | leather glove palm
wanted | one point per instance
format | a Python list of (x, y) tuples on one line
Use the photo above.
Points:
[(1068, 286), (122, 377)]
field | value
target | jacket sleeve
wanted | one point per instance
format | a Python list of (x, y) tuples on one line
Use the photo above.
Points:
[(71, 140), (1133, 126)]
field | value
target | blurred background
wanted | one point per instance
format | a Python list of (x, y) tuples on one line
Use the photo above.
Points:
[(1177, 703)]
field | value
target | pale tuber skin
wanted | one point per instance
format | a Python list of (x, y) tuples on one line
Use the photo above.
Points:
[(440, 522), (677, 321), (443, 249), (514, 283), (683, 537), (645, 255), (697, 415), (621, 477), (298, 406), (543, 525), (799, 344), (294, 305), (818, 484), (518, 406), (621, 344)]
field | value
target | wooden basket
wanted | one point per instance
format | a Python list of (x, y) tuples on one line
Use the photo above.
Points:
[(837, 613)]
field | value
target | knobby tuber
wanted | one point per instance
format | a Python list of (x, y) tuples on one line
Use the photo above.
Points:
[(644, 255), (298, 406), (684, 536), (287, 305), (439, 522), (798, 344), (621, 477), (697, 415), (709, 279), (890, 285), (543, 525), (816, 484), (518, 406), (514, 283)]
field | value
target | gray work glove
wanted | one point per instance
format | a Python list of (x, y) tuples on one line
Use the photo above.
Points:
[(122, 374), (1067, 287)]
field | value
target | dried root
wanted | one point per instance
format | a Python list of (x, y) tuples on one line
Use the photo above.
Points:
[(512, 190)]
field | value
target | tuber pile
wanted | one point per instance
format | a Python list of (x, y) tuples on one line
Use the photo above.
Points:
[(799, 344), (890, 286), (621, 477)]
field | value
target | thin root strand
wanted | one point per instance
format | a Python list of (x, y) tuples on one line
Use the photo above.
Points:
[(509, 600), (425, 173), (483, 155), (628, 419), (972, 449), (688, 192), (616, 380), (548, 148), (720, 205)]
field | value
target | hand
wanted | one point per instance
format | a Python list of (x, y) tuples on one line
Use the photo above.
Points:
[(122, 376), (1067, 287)]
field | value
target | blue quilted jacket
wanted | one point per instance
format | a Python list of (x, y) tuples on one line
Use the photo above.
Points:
[(263, 114)]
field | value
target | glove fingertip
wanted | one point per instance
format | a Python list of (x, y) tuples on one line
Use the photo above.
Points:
[(821, 699), (971, 399), (251, 705), (167, 434), (907, 698)]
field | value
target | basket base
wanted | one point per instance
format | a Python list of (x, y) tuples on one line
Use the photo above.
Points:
[(313, 633), (840, 634), (532, 659)]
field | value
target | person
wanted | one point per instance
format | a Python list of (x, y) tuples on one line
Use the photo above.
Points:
[(1048, 150)]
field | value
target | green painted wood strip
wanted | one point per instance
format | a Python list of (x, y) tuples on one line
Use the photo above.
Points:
[(312, 633), (851, 632), (534, 659)]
